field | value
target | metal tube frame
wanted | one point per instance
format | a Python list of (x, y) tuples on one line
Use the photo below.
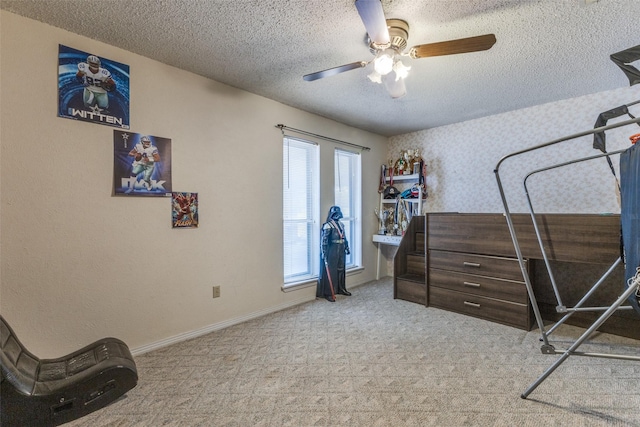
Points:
[(546, 347), (561, 308)]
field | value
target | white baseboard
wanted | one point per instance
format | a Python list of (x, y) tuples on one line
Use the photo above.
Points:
[(215, 327)]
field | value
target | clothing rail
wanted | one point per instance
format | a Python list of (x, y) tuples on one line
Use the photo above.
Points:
[(561, 308), (546, 347), (315, 135), (507, 212)]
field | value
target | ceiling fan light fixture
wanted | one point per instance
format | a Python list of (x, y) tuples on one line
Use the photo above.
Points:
[(401, 70), (395, 86), (375, 77), (383, 63)]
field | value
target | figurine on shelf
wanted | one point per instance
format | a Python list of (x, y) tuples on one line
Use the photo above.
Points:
[(334, 247)]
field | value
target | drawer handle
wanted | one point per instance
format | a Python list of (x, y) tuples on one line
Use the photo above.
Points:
[(472, 304), (471, 264), (471, 284)]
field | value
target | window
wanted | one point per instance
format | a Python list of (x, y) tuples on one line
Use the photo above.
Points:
[(348, 192), (301, 194)]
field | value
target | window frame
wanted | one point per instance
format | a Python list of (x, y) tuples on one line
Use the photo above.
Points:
[(352, 214), (312, 219)]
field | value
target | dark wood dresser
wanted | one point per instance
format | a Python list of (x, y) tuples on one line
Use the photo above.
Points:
[(470, 267), (483, 286)]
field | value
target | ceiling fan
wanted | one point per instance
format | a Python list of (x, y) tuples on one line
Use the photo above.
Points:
[(388, 40)]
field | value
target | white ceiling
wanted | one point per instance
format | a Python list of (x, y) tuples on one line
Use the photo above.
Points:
[(546, 50)]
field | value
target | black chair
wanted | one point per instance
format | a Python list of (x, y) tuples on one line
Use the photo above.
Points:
[(50, 392)]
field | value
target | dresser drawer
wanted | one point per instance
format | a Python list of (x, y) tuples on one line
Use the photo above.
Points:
[(493, 266), (411, 291), (491, 287), (508, 313)]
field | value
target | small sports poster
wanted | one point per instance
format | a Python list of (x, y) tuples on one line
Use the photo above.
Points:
[(141, 164), (92, 88), (184, 210)]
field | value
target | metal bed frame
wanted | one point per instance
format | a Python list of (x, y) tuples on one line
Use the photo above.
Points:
[(548, 348)]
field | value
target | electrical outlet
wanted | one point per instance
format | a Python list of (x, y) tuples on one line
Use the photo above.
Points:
[(216, 291)]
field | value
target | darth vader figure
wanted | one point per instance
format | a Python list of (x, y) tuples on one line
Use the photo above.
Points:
[(334, 247)]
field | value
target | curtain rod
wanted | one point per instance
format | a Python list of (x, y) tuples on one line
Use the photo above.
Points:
[(304, 132)]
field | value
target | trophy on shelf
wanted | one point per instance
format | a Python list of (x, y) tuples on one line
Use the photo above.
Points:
[(408, 162), (385, 219), (382, 219), (416, 161)]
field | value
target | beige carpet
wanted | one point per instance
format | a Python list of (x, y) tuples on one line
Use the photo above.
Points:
[(370, 360)]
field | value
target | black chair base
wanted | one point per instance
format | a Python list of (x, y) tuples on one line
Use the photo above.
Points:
[(50, 392)]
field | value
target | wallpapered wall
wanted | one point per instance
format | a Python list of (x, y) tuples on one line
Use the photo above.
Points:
[(461, 158)]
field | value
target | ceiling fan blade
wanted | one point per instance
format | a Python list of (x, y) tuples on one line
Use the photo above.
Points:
[(375, 23), (333, 71), (452, 47)]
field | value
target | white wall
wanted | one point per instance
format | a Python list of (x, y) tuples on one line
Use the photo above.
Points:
[(78, 264), (461, 158)]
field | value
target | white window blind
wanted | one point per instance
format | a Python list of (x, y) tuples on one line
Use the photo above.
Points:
[(348, 191), (300, 211)]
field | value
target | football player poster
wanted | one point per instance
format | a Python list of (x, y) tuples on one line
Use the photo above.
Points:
[(141, 164), (92, 88), (184, 210)]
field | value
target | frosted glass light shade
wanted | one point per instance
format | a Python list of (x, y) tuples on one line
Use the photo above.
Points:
[(383, 64)]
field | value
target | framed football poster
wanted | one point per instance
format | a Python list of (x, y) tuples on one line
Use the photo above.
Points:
[(92, 88), (141, 164)]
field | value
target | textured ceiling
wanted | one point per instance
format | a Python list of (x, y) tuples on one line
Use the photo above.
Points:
[(546, 50)]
